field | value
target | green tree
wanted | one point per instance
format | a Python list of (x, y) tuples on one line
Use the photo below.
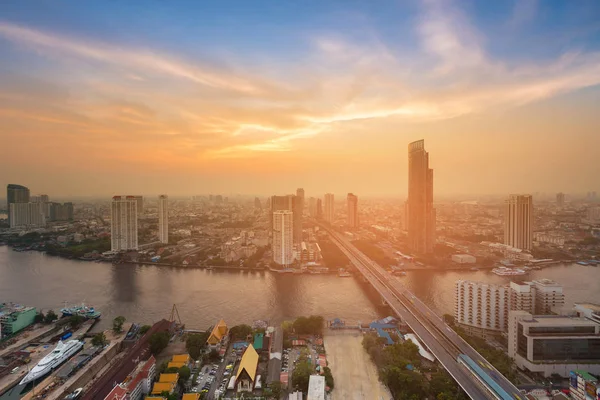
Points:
[(39, 318), (328, 378), (301, 375), (276, 390), (213, 355), (184, 373), (195, 343), (50, 317), (172, 370), (240, 332), (99, 339), (75, 321), (118, 324), (158, 342), (144, 329)]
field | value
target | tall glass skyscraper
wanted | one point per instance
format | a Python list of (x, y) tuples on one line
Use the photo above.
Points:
[(420, 213)]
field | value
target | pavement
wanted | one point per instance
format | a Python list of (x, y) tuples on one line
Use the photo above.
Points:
[(355, 376)]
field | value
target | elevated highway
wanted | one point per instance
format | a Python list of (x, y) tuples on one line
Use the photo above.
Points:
[(442, 341)]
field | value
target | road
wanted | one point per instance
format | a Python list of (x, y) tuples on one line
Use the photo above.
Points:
[(441, 340)]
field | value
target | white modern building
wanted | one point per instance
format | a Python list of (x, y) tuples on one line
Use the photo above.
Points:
[(283, 243), (27, 215), (316, 388), (328, 212), (140, 204), (124, 223), (163, 218), (482, 308), (518, 221), (463, 259), (553, 344), (542, 296)]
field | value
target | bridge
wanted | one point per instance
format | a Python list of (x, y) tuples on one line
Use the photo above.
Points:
[(445, 344)]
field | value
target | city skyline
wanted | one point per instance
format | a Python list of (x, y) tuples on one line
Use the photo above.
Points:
[(98, 98)]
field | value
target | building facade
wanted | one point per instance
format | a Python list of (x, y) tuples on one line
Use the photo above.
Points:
[(552, 344), (482, 308), (329, 210), (319, 209), (518, 221), (27, 215), (163, 218), (420, 212), (60, 212), (540, 297), (124, 223), (352, 205), (283, 245), (312, 207)]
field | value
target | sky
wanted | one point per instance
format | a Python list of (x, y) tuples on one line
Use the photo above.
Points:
[(262, 97)]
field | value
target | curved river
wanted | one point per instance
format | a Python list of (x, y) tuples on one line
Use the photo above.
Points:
[(146, 293)]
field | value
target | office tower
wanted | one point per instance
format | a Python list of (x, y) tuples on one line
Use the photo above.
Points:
[(481, 308), (140, 204), (551, 344), (319, 209), (352, 203), (124, 223), (421, 214), (312, 207), (328, 211), (300, 195), (282, 245), (290, 203), (27, 215), (518, 221), (163, 218), (560, 199), (257, 204), (15, 194)]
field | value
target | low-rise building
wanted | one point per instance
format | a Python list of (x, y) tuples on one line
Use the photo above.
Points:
[(218, 335), (246, 374), (316, 388), (14, 318), (588, 310), (553, 344), (137, 383), (583, 386)]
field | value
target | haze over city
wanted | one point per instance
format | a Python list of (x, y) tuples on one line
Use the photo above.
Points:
[(187, 98)]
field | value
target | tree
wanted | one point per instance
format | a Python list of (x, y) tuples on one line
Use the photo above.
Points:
[(144, 329), (172, 370), (75, 321), (50, 317), (39, 318), (195, 343), (328, 378), (99, 339), (118, 324), (301, 375), (184, 373), (276, 389), (158, 342), (213, 355), (240, 332)]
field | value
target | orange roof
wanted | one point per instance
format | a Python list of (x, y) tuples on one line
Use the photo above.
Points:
[(191, 396), (185, 358), (249, 363), (171, 378), (160, 387), (219, 331), (174, 364)]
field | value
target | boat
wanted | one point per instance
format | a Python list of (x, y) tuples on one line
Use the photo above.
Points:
[(582, 263), (61, 353), (74, 395), (82, 310), (505, 271)]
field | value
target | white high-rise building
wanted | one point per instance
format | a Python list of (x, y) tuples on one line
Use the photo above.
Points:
[(328, 212), (27, 215), (539, 297), (482, 308), (518, 221), (163, 218), (283, 237), (124, 223)]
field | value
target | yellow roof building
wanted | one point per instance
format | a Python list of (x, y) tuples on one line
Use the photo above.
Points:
[(171, 378), (184, 358), (248, 364), (160, 387), (154, 398), (219, 332), (191, 396), (173, 364)]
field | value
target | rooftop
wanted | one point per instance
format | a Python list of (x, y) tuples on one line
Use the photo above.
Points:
[(316, 387), (591, 306), (249, 363), (558, 320)]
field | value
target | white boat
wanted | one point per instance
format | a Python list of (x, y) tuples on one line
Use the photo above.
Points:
[(74, 395), (61, 353), (505, 271)]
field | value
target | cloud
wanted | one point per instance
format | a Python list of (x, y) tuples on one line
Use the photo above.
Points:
[(524, 11)]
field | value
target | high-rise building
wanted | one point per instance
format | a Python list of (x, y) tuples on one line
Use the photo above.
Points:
[(352, 204), (421, 214), (283, 245), (312, 207), (15, 194), (257, 204), (140, 204), (124, 223), (300, 195), (518, 221), (319, 209), (42, 198), (163, 218), (60, 212), (552, 344), (328, 212), (482, 308), (27, 215), (290, 203), (560, 199)]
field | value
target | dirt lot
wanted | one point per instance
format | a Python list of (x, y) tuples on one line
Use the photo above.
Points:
[(354, 373)]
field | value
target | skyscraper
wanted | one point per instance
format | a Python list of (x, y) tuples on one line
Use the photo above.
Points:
[(257, 204), (312, 207), (140, 204), (300, 195), (420, 211), (124, 223), (560, 199), (27, 215), (163, 218), (319, 209), (282, 245), (518, 221), (290, 203), (15, 194), (352, 201), (328, 212)]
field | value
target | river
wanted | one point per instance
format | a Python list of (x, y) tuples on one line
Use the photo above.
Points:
[(146, 293)]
